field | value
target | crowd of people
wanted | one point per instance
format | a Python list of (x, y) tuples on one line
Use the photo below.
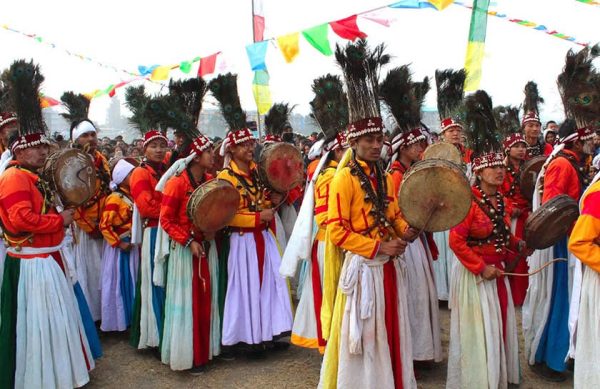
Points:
[(367, 284)]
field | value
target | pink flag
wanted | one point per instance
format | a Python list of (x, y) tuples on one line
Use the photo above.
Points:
[(258, 18)]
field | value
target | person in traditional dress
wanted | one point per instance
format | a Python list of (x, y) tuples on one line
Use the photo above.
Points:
[(549, 339), (515, 149), (584, 243), (187, 339), (484, 347), (369, 339), (257, 303), (550, 133), (88, 242), (42, 340), (531, 126), (404, 99), (149, 298), (550, 309), (329, 109), (450, 93), (121, 258), (8, 125)]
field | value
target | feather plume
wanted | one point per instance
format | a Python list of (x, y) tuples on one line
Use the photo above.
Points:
[(5, 101), (532, 98), (277, 119), (77, 106), (507, 119), (450, 92), (579, 87), (360, 66), (480, 123), (136, 100), (165, 111), (190, 94), (404, 98), (24, 84), (330, 105), (224, 89)]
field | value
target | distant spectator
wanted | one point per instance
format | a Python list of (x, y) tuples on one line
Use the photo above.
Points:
[(313, 136), (550, 132), (597, 143), (119, 152), (139, 143), (135, 152)]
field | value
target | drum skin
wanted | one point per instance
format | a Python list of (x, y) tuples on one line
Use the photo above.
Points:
[(434, 195), (213, 205), (550, 222), (71, 173), (529, 174), (443, 150), (281, 166)]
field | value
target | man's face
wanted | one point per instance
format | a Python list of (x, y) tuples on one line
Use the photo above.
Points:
[(33, 157), (244, 152), (414, 151), (89, 138), (105, 141), (532, 130), (368, 147), (453, 135), (156, 150)]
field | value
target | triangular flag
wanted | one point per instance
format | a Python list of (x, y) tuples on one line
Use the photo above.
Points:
[(318, 37), (256, 55), (288, 44), (378, 18), (258, 20), (207, 65), (347, 28), (160, 73), (144, 71), (440, 5)]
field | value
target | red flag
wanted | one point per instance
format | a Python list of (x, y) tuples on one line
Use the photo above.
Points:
[(258, 19), (207, 64), (347, 28)]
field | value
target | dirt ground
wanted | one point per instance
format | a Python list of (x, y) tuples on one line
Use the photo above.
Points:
[(125, 368)]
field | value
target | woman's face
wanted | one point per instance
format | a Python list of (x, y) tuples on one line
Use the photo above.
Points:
[(493, 176), (156, 150), (518, 151)]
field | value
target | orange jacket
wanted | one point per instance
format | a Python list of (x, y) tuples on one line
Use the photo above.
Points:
[(562, 178), (245, 218), (312, 166), (322, 198), (88, 215), (148, 200), (27, 220), (115, 223), (173, 210), (349, 218), (478, 225), (584, 239)]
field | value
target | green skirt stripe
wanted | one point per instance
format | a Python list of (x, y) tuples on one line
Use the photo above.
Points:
[(134, 331), (8, 326)]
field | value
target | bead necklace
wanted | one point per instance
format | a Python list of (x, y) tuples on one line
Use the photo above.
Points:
[(378, 196), (500, 235), (516, 179)]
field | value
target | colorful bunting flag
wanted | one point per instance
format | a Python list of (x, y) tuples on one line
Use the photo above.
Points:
[(378, 18), (160, 73), (207, 64), (258, 20), (185, 66), (476, 45), (347, 28), (47, 102), (288, 44), (261, 91), (318, 37), (144, 71), (256, 54), (440, 5), (412, 4)]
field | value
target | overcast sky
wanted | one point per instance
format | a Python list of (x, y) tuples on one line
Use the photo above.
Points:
[(128, 33)]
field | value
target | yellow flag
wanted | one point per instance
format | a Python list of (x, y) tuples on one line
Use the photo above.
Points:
[(441, 4), (262, 96), (160, 73), (288, 44)]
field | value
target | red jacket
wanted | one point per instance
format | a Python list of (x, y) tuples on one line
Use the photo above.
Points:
[(148, 200), (516, 199), (26, 219), (562, 178), (477, 225), (173, 210)]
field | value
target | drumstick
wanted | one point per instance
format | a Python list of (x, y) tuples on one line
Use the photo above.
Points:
[(429, 217), (533, 272)]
